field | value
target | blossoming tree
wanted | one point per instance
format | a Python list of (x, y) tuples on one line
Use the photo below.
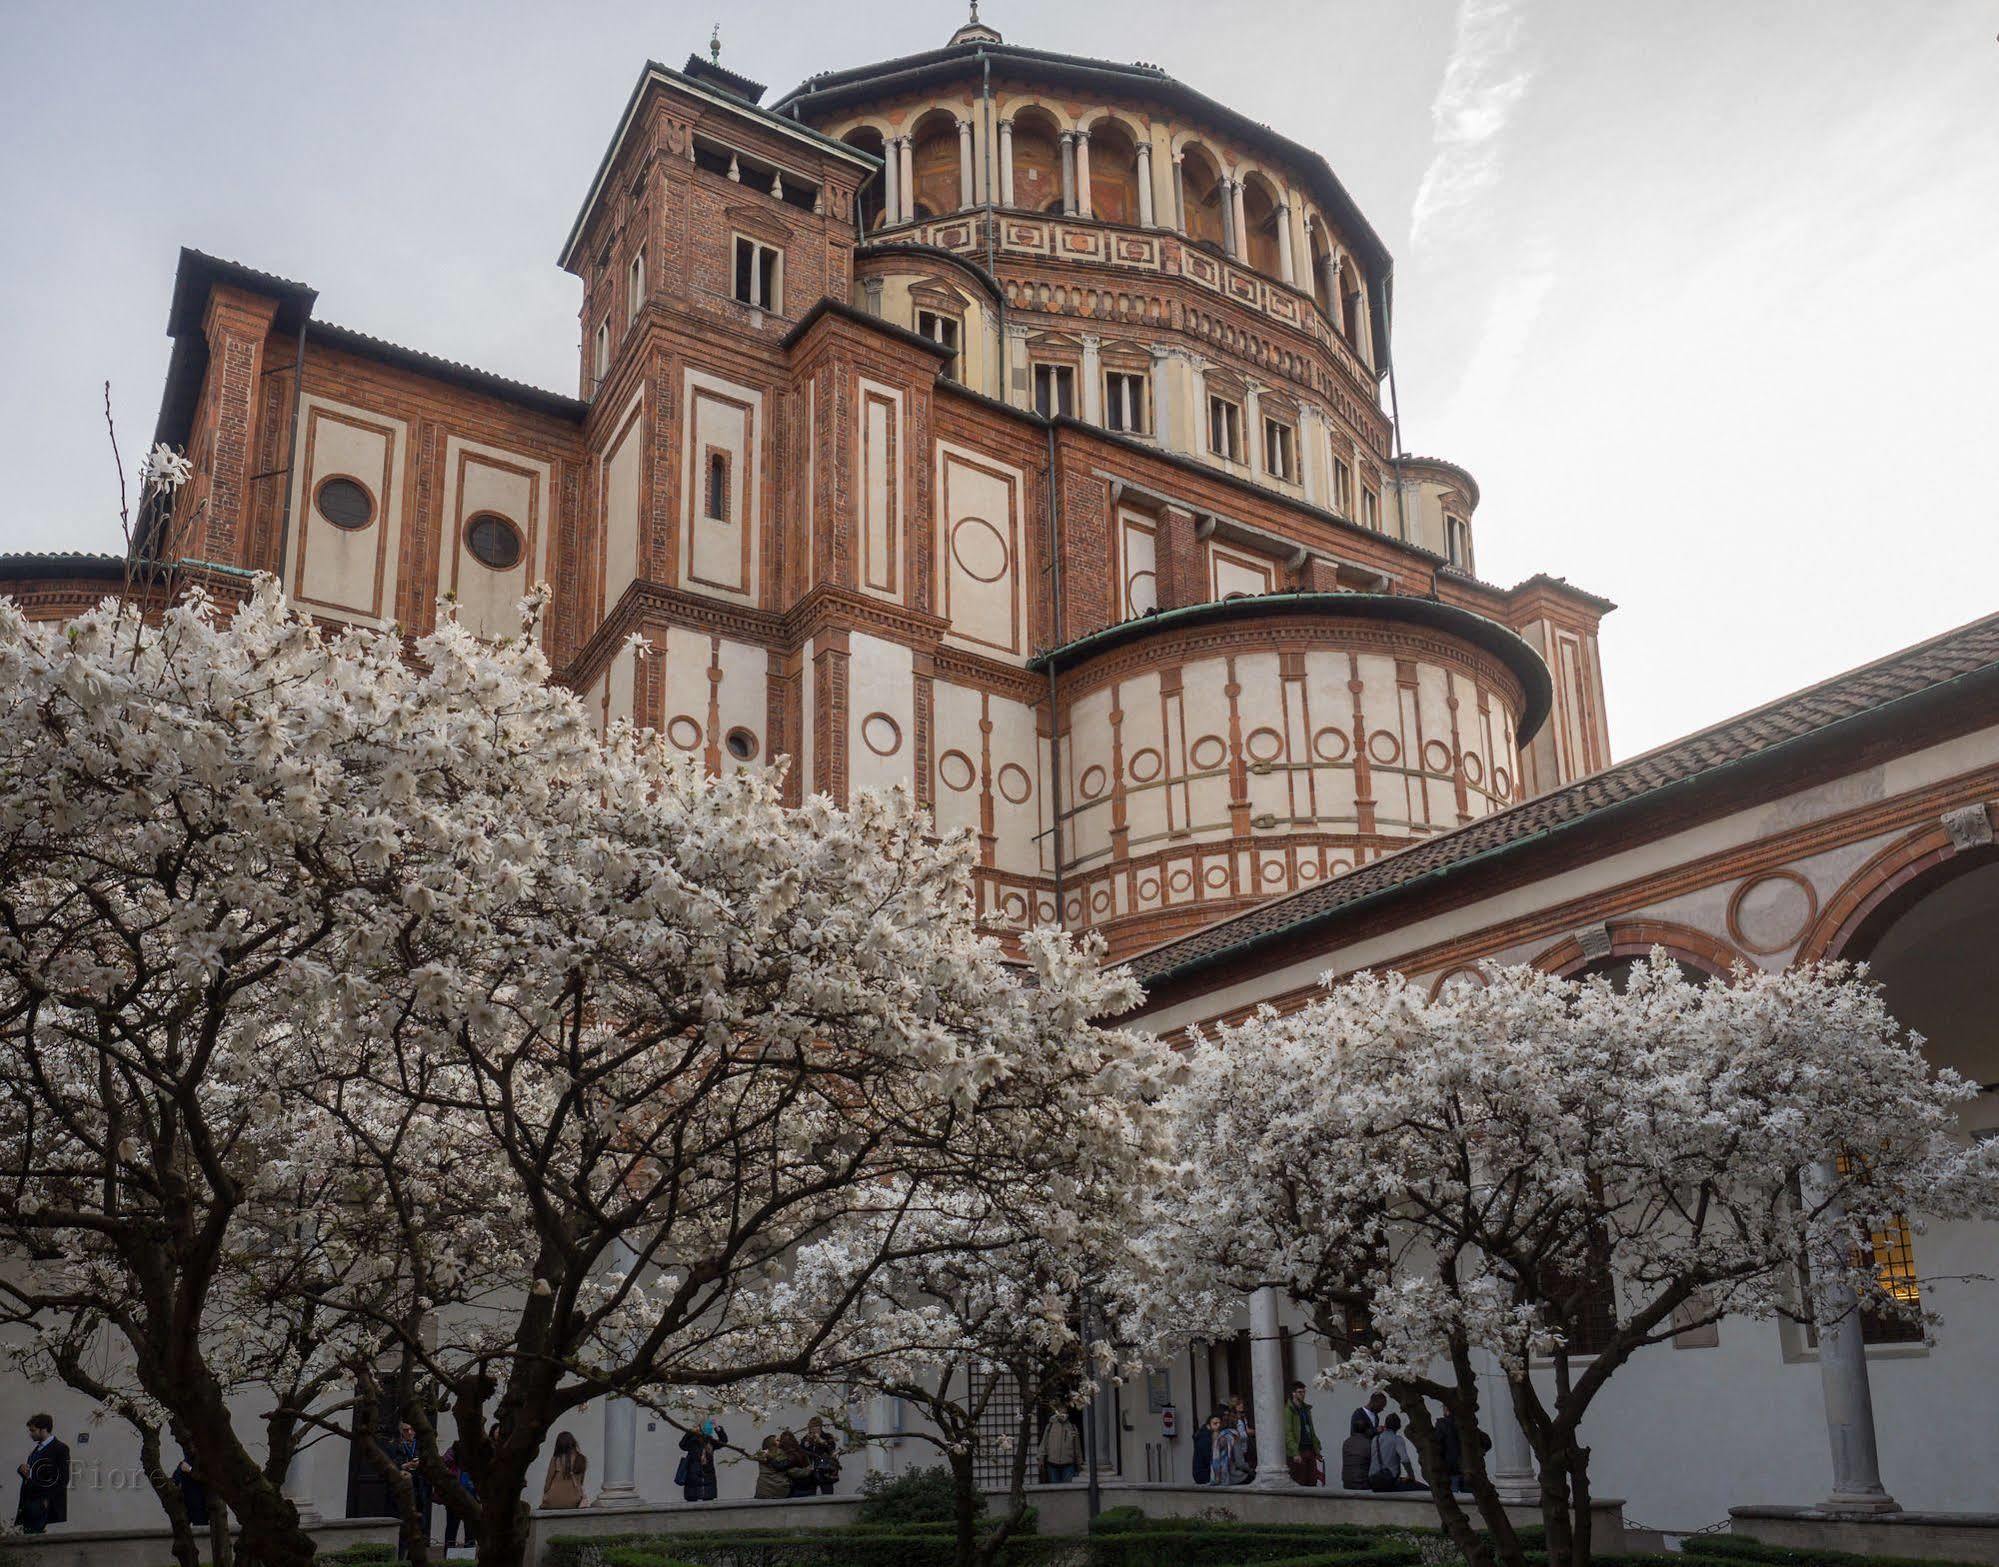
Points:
[(1555, 1175)]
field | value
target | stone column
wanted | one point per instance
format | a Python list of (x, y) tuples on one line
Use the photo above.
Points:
[(621, 1423), (1092, 389), (1017, 389), (892, 182), (1162, 404), (1068, 174), (1284, 263), (1266, 1382), (1253, 454), (1145, 184), (1849, 1399), (906, 156), (1083, 207), (1239, 240), (1179, 194), (965, 197), (1006, 163), (881, 1419), (298, 1488), (1510, 1464)]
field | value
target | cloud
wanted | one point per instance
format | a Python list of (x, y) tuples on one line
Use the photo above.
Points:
[(1484, 81)]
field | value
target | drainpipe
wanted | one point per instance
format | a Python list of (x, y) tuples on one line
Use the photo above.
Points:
[(1054, 712), (992, 221), (291, 455), (1394, 410)]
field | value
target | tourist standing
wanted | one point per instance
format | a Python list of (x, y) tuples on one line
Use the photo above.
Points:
[(193, 1492), (563, 1488), (454, 1465), (1061, 1448), (44, 1478), (1204, 1448), (408, 1459), (823, 1448), (1301, 1439), (696, 1474), (1222, 1445), (779, 1467)]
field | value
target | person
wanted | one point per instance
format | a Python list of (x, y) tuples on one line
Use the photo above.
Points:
[(1367, 1419), (696, 1474), (1357, 1451), (823, 1448), (1204, 1448), (1451, 1448), (44, 1478), (776, 1468), (193, 1492), (454, 1464), (1392, 1465), (563, 1488), (408, 1457), (1061, 1448), (1222, 1440), (1246, 1453), (804, 1472), (1301, 1439)]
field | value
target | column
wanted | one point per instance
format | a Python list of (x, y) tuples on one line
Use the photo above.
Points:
[(1253, 454), (905, 155), (1239, 240), (1164, 422), (1068, 174), (1266, 1384), (621, 1423), (881, 1420), (1006, 163), (1017, 389), (1849, 1399), (1284, 265), (1145, 184), (1092, 388), (1179, 194), (892, 182), (1510, 1464), (1312, 450), (1083, 207), (965, 163), (298, 1485)]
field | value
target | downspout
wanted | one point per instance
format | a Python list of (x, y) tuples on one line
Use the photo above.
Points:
[(1394, 407), (992, 221), (1054, 712), (291, 454)]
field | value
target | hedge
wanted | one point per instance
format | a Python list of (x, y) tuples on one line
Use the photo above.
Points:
[(1236, 1545), (1204, 1545), (1741, 1548)]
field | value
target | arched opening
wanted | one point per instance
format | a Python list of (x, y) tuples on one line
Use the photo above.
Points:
[(933, 162), (1322, 259), (1348, 319), (1037, 161), (873, 199), (1206, 196), (1113, 172), (1261, 215)]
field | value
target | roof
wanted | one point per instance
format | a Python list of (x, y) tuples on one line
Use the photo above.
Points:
[(348, 340), (1520, 658), (729, 81), (1470, 484), (831, 90), (725, 98), (1817, 711), (57, 565)]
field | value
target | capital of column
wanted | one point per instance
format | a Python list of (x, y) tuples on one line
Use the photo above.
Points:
[(1006, 125), (1068, 138), (1083, 133)]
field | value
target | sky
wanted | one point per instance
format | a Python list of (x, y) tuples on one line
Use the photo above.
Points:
[(1704, 292)]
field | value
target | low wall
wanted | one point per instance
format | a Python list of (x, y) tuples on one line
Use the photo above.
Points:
[(65, 1546), (1062, 1509), (1959, 1537)]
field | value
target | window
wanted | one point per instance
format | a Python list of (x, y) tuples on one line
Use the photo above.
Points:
[(1342, 487), (1370, 509), (1055, 390), (945, 331), (345, 504), (600, 356), (742, 744), (1224, 428), (1457, 542), (758, 274), (1280, 450), (1585, 1300), (1124, 402), (717, 488), (635, 295), (493, 541)]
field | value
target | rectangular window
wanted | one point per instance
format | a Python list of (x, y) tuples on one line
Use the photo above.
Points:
[(1370, 509), (945, 331), (1280, 450), (1224, 428), (1055, 390), (635, 289), (757, 274), (1342, 488), (718, 485), (1124, 402), (1457, 542), (600, 355)]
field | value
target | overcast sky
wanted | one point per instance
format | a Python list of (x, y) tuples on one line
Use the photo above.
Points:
[(1705, 292)]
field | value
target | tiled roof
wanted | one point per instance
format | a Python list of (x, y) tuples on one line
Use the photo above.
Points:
[(1969, 650), (27, 565), (452, 370)]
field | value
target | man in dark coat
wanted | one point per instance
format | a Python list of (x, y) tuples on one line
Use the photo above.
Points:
[(44, 1478), (1367, 1419)]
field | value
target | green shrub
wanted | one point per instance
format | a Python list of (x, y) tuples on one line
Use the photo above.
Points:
[(924, 1545), (1741, 1548), (1240, 1545), (1114, 1520), (361, 1555), (1384, 1554), (915, 1496)]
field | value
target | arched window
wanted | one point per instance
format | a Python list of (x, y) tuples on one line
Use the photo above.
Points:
[(873, 199), (1037, 161), (1205, 196), (934, 164), (1113, 172), (1322, 260), (1261, 217)]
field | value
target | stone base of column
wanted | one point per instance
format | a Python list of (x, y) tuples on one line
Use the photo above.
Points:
[(619, 1496), (1860, 1502)]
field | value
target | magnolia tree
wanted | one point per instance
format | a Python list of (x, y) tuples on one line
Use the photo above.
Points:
[(1552, 1176)]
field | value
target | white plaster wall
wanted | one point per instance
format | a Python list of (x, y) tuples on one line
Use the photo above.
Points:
[(881, 714)]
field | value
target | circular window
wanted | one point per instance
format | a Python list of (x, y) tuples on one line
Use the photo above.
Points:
[(346, 504), (742, 744), (493, 541)]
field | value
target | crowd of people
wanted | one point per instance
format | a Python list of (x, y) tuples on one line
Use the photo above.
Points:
[(1376, 1456)]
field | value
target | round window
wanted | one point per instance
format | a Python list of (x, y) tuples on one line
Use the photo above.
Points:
[(345, 504), (493, 541), (742, 744)]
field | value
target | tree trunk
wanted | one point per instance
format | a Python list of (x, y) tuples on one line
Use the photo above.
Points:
[(221, 1547), (504, 1520), (1474, 1548), (965, 1507), (1016, 1493), (187, 1550)]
